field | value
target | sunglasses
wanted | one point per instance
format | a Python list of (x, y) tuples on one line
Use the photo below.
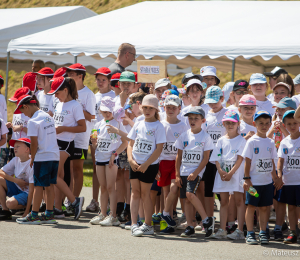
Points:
[(240, 92), (131, 104)]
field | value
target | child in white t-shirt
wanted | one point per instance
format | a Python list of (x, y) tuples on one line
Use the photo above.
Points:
[(228, 159), (16, 180), (146, 144), (259, 154), (247, 107), (108, 146), (160, 87), (194, 147)]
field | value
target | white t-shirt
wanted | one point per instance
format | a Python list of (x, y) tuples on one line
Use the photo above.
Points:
[(229, 149), (55, 101), (3, 131), (296, 98), (289, 150), (105, 146), (3, 108), (138, 119), (265, 105), (42, 125), (98, 97), (245, 128), (67, 114), (214, 125), (19, 119), (271, 97), (173, 131), (46, 101), (21, 170), (193, 146), (261, 151), (117, 101), (88, 102), (146, 136)]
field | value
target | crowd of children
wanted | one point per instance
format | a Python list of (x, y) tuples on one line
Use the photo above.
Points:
[(191, 145)]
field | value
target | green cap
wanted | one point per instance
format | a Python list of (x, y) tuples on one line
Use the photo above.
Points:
[(127, 76)]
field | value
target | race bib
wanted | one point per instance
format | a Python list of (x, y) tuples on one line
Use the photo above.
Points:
[(103, 144), (264, 166), (142, 146), (227, 165), (191, 157), (58, 119), (44, 107), (215, 135), (293, 162), (169, 148)]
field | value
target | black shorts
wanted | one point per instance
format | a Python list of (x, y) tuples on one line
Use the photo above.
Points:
[(68, 147), (155, 187), (209, 179), (104, 163), (188, 186), (79, 154), (147, 177), (45, 173)]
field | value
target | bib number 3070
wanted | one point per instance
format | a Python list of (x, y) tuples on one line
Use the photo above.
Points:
[(142, 146), (191, 157)]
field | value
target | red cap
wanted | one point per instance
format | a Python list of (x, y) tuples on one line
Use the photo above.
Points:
[(1, 77), (23, 140), (116, 76), (103, 71), (76, 66), (61, 72), (45, 72), (29, 80), (56, 84), (136, 79), (19, 102), (18, 93)]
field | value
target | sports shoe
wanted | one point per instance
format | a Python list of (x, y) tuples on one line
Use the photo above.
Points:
[(58, 213), (215, 206), (97, 219), (278, 236), (272, 217), (125, 216), (5, 215), (188, 232), (291, 239), (236, 235), (78, 207), (171, 222), (110, 221), (198, 217), (199, 227), (167, 230), (285, 227), (47, 220), (156, 219), (182, 226), (263, 239), (221, 234), (135, 231), (29, 219), (209, 227), (69, 211), (42, 207), (250, 239), (67, 203), (175, 217), (147, 230), (128, 224), (268, 233), (93, 207)]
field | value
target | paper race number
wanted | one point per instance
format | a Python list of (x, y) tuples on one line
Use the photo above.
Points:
[(215, 135), (58, 119), (227, 164), (191, 157), (264, 166), (142, 146), (169, 148), (103, 144), (293, 162)]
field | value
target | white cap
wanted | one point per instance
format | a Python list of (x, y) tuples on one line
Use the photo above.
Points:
[(107, 104), (226, 90), (209, 71), (194, 81), (162, 83)]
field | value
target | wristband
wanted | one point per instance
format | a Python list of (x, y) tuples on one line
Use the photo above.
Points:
[(114, 153), (247, 178)]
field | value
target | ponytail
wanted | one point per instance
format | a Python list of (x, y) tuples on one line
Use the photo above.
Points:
[(70, 85), (33, 101)]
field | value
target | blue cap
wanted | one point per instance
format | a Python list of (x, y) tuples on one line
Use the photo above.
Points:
[(297, 79), (288, 113), (213, 95), (257, 78), (260, 113), (286, 102)]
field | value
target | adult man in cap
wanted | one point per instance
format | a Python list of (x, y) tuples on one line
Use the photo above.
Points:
[(37, 65), (126, 55)]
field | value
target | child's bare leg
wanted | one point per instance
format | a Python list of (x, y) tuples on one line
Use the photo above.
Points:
[(241, 209)]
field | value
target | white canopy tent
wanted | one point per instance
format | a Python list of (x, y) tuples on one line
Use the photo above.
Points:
[(252, 36)]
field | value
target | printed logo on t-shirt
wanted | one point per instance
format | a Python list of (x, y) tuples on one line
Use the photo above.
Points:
[(269, 149), (150, 132), (47, 119), (176, 134), (219, 124), (199, 144), (65, 112), (185, 144), (234, 151), (285, 151), (297, 149), (256, 150)]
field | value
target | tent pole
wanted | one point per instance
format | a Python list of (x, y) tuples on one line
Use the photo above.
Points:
[(75, 59), (232, 70), (6, 81)]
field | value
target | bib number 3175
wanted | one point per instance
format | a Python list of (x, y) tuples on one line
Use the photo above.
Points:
[(142, 146)]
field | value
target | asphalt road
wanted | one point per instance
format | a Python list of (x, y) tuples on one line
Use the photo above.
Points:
[(71, 239)]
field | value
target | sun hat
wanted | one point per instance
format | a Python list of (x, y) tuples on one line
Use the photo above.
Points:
[(107, 104), (197, 110), (189, 76), (257, 78), (127, 76), (260, 113), (47, 72), (56, 84), (18, 93), (162, 83), (276, 72), (240, 84), (209, 71), (150, 101), (284, 85), (172, 100), (286, 102), (288, 113), (76, 66), (213, 95), (182, 90), (103, 71), (247, 100), (21, 99), (231, 115), (226, 91), (23, 140), (297, 79)]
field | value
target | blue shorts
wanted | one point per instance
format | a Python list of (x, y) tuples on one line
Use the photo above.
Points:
[(156, 187), (265, 198), (14, 191), (289, 194), (45, 173)]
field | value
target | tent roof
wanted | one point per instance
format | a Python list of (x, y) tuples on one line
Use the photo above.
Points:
[(18, 22)]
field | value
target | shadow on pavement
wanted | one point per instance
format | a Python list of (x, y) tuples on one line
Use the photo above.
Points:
[(66, 226)]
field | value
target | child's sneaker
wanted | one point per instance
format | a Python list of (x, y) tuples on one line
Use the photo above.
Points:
[(29, 219), (291, 239), (5, 215), (78, 207), (135, 231), (221, 234), (189, 232), (199, 227), (236, 235), (263, 239), (182, 226), (110, 221), (156, 219), (167, 230), (93, 207), (251, 240), (147, 230), (126, 225), (47, 220), (96, 220), (171, 222), (278, 236), (58, 213), (209, 227)]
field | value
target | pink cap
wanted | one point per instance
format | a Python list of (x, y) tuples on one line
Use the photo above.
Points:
[(150, 101), (247, 100)]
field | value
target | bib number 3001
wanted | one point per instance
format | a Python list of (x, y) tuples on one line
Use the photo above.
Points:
[(264, 166), (191, 157), (293, 162), (142, 146)]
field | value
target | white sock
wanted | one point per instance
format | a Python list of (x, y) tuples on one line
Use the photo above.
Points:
[(166, 213)]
